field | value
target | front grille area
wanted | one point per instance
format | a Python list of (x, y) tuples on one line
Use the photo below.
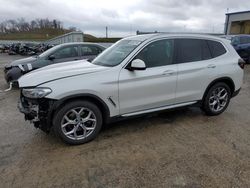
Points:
[(37, 111)]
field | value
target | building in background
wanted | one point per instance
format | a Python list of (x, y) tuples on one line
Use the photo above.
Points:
[(69, 37), (237, 23)]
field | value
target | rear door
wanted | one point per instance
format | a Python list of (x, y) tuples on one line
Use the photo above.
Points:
[(196, 68)]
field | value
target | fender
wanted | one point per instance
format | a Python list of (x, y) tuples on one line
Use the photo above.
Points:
[(93, 98)]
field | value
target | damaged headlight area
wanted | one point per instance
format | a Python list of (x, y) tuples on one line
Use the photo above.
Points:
[(35, 93), (37, 109)]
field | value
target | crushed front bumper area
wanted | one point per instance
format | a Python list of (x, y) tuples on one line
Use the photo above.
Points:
[(37, 111), (12, 74)]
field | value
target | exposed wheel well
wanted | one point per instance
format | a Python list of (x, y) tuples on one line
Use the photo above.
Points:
[(88, 97), (225, 80), (9, 79)]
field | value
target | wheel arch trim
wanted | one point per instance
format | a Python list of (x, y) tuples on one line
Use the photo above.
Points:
[(226, 80), (86, 96)]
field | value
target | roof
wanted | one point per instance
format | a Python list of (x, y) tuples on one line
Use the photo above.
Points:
[(164, 35), (242, 35), (241, 12), (140, 37), (79, 43)]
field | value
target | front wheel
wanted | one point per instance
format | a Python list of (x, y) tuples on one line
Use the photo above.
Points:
[(78, 122), (216, 99)]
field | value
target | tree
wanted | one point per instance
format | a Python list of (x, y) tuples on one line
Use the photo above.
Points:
[(21, 25)]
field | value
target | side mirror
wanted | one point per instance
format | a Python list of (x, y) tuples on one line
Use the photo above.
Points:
[(51, 57), (137, 64)]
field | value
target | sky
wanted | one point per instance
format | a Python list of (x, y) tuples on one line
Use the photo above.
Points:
[(125, 17)]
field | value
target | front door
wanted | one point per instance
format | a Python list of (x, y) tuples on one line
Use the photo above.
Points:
[(151, 88)]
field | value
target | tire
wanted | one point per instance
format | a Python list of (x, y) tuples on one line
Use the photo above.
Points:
[(72, 118), (212, 104)]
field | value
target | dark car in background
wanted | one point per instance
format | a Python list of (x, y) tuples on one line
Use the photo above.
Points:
[(241, 44), (60, 53)]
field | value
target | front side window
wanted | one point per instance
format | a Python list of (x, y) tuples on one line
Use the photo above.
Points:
[(49, 51), (115, 54), (66, 52), (191, 50), (159, 53)]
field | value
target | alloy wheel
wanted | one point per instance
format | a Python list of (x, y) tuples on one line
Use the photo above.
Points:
[(78, 123), (218, 99)]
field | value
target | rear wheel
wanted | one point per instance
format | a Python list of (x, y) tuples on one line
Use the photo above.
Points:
[(216, 99), (78, 122)]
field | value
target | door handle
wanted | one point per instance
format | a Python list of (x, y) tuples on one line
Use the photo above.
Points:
[(168, 72), (211, 66)]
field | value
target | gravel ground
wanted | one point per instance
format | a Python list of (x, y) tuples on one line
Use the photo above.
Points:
[(181, 148)]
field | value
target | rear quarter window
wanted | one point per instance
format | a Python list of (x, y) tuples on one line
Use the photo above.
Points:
[(216, 48)]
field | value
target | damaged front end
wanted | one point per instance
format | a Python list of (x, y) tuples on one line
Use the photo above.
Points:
[(13, 73), (37, 110)]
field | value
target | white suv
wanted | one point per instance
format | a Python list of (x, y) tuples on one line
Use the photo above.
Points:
[(137, 75)]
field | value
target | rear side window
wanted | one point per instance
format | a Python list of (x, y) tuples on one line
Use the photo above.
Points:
[(191, 50), (216, 48), (90, 50), (244, 40)]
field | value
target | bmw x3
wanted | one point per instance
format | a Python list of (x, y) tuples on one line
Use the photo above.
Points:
[(137, 75)]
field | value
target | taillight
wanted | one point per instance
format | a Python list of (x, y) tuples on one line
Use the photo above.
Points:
[(241, 63)]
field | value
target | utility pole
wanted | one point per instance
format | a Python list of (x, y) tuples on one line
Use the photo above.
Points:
[(106, 31), (226, 23)]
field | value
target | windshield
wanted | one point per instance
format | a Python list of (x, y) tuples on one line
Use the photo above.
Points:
[(116, 53), (49, 51), (235, 41)]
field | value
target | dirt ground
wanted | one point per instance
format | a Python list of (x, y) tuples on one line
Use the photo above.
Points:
[(181, 148)]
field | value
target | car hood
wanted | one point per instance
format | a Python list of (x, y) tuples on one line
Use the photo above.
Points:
[(23, 61), (58, 71)]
